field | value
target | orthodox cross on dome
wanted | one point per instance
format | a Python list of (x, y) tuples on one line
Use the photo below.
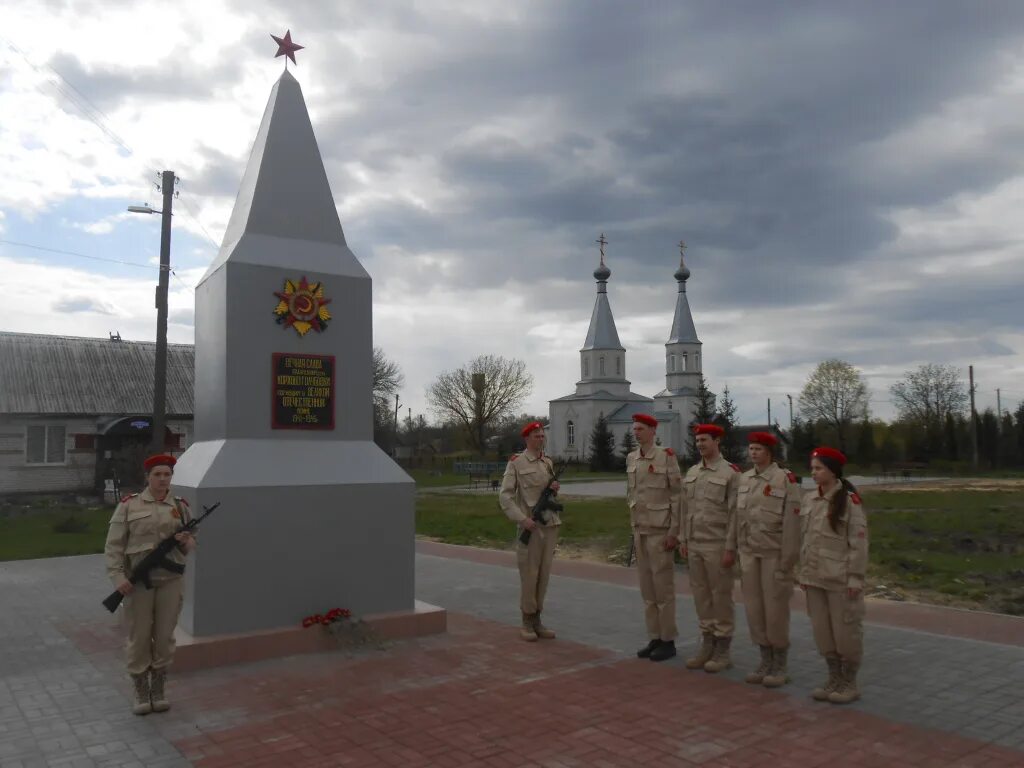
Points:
[(285, 47), (683, 273), (682, 248), (602, 241)]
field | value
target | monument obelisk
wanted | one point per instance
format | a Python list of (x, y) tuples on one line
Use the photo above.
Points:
[(313, 514)]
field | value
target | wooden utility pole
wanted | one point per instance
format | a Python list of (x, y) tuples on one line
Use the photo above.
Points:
[(769, 411), (974, 421), (790, 412), (157, 441), (999, 410)]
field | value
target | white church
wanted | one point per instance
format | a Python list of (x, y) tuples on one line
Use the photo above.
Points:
[(603, 388)]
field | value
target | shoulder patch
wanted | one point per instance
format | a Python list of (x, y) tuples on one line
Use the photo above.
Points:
[(513, 457), (128, 497), (182, 499), (854, 497), (791, 476), (670, 452), (734, 467)]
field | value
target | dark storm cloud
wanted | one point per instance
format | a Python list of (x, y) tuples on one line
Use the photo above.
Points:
[(109, 87)]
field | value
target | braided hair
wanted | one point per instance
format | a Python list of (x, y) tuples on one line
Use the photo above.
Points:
[(837, 504)]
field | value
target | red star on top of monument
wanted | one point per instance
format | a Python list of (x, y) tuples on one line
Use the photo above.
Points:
[(285, 46)]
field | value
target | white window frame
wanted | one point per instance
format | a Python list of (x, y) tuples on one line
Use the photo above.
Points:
[(600, 365), (570, 433), (46, 445), (671, 363)]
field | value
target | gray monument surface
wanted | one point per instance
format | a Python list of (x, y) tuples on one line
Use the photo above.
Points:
[(313, 514)]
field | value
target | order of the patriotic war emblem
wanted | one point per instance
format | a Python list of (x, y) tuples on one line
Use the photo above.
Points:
[(302, 306)]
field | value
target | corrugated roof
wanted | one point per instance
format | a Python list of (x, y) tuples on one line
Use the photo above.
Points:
[(41, 374)]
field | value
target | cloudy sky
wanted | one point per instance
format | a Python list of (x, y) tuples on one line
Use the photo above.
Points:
[(849, 177)]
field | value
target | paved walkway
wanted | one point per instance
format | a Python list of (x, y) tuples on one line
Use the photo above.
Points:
[(479, 696)]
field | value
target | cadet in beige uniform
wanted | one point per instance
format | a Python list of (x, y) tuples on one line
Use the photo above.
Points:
[(833, 561), (653, 486), (525, 477), (709, 543), (768, 536), (139, 523)]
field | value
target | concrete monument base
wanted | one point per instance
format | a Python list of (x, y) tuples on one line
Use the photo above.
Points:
[(194, 653)]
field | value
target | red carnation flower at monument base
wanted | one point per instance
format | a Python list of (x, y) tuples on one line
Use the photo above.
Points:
[(326, 619)]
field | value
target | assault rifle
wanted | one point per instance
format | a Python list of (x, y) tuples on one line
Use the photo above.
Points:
[(157, 558), (544, 502)]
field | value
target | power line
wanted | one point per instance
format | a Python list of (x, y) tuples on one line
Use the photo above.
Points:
[(79, 255), (97, 258)]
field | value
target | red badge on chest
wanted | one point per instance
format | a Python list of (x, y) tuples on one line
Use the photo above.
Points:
[(767, 490), (650, 467), (175, 513)]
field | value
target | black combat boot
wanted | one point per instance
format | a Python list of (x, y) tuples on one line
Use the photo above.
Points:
[(645, 652), (666, 650)]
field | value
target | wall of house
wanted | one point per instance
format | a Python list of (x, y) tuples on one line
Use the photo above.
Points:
[(77, 470)]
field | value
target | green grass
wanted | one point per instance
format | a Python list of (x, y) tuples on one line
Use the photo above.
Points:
[(966, 545), (426, 478), (476, 520), (31, 536)]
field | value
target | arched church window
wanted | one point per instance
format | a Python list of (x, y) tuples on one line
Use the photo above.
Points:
[(696, 361), (600, 366), (683, 367), (671, 363), (586, 367), (570, 434), (618, 366)]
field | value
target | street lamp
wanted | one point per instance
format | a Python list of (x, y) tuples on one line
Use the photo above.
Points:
[(160, 368)]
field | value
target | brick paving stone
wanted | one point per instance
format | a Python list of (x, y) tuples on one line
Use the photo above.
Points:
[(479, 696)]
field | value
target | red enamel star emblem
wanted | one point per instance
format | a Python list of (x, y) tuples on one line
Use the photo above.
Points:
[(285, 46), (302, 306)]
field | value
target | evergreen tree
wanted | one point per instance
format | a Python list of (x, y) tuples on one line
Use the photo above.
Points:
[(866, 452), (704, 413), (950, 439), (628, 444), (803, 442), (988, 438), (726, 418), (888, 452), (1018, 417), (602, 447)]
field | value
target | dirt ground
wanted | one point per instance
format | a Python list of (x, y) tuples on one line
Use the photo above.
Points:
[(954, 484)]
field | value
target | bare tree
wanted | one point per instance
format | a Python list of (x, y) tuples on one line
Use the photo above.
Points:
[(504, 386), (929, 393), (387, 380), (836, 394)]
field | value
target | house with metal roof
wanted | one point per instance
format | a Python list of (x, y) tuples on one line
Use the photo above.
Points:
[(75, 411)]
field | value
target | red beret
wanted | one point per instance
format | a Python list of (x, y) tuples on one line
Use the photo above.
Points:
[(763, 438), (530, 427), (647, 419), (709, 429), (824, 452), (161, 459)]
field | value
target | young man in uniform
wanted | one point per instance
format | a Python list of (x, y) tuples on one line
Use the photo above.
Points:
[(768, 535), (526, 476), (709, 543), (653, 486)]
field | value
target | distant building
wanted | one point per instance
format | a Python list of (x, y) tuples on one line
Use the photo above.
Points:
[(74, 411), (604, 390)]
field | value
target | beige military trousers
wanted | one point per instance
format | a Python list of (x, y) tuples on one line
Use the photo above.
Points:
[(656, 569), (837, 621), (534, 561), (152, 615), (766, 599), (711, 585)]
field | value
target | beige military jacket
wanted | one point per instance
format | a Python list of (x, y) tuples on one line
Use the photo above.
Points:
[(654, 491), (709, 506), (830, 559), (139, 523), (524, 479), (768, 515)]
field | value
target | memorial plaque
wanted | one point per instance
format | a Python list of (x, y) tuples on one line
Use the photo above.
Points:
[(303, 390)]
